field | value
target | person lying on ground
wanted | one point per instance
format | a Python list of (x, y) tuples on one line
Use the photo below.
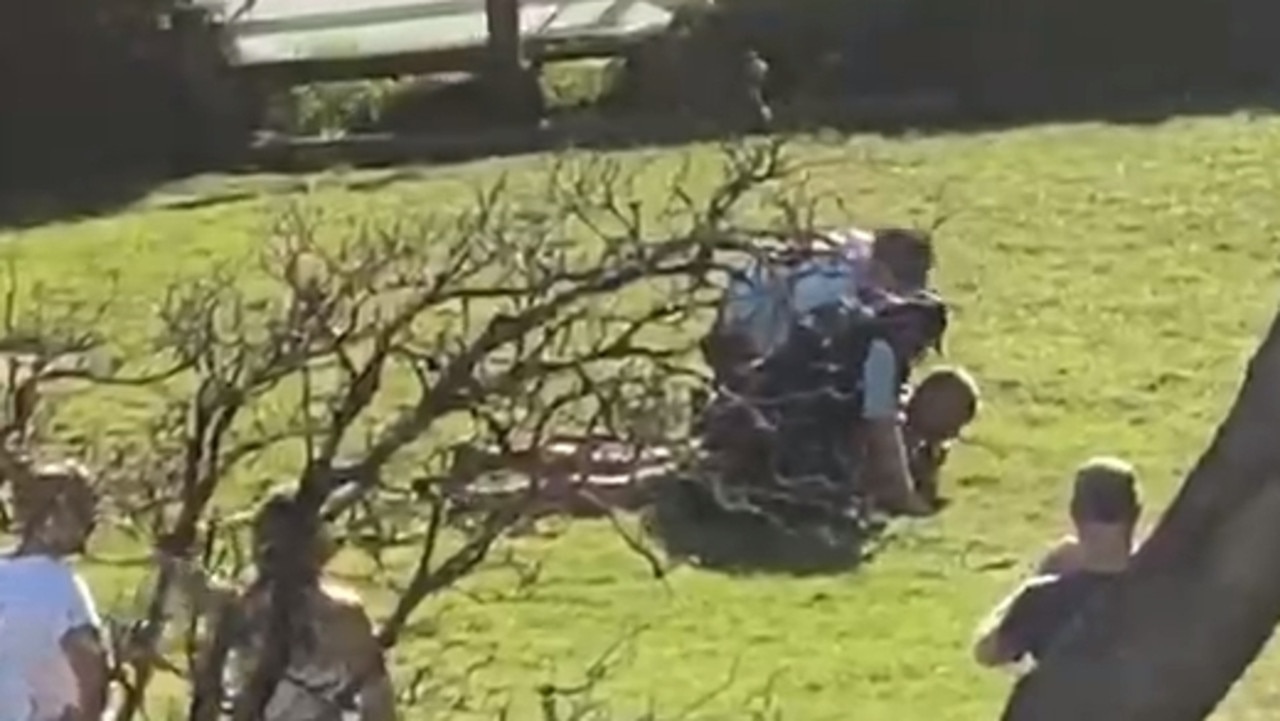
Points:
[(1105, 508), (336, 664), (53, 660), (940, 406)]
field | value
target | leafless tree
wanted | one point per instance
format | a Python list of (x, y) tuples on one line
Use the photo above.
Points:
[(402, 365)]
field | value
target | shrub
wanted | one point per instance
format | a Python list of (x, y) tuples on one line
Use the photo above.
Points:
[(1009, 52), (98, 86)]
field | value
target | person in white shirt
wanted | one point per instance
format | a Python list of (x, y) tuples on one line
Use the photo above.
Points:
[(53, 663)]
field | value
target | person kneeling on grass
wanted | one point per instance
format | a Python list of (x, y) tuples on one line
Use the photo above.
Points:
[(937, 410), (1105, 508), (336, 666), (53, 663)]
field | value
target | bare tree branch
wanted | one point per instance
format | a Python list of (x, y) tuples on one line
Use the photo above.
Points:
[(426, 360)]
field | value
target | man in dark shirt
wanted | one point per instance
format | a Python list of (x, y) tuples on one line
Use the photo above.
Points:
[(1104, 509)]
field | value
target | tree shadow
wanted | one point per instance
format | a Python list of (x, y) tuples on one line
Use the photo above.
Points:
[(86, 196), (1134, 110), (690, 526), (916, 114), (70, 199)]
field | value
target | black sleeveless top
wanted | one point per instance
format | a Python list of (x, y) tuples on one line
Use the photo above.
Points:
[(1045, 607)]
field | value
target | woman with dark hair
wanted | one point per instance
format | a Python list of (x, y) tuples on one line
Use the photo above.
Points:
[(336, 668)]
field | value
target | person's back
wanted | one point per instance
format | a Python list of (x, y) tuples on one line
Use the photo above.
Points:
[(333, 662), (1046, 606), (1105, 509), (336, 667)]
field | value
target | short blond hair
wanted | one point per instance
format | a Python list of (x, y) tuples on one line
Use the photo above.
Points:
[(1106, 491)]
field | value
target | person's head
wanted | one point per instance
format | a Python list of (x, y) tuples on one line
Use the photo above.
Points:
[(915, 325), (283, 532), (903, 258), (56, 508), (1105, 500), (943, 403)]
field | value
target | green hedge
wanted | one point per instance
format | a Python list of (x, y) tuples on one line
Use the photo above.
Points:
[(88, 86), (93, 85), (1004, 51)]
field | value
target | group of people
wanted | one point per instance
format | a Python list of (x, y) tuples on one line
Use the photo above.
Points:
[(880, 280), (54, 651), (906, 432)]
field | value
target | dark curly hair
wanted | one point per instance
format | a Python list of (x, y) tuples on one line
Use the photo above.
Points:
[(282, 531)]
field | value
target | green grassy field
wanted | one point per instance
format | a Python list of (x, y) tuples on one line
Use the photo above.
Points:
[(1110, 283)]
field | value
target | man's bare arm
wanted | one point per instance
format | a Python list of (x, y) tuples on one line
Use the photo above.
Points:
[(888, 460), (88, 660), (989, 649), (1000, 638), (889, 463), (926, 468)]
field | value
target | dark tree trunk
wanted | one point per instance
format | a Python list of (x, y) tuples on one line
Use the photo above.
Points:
[(1203, 596)]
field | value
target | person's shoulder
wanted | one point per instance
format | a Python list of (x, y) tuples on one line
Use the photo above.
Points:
[(41, 569), (1029, 602), (1041, 581), (342, 599), (345, 614), (1062, 556), (1055, 589)]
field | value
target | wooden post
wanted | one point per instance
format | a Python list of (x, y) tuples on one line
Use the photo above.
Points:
[(512, 90), (505, 55)]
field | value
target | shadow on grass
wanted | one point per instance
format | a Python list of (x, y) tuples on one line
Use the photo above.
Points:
[(690, 526), (82, 197), (591, 130), (76, 198)]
